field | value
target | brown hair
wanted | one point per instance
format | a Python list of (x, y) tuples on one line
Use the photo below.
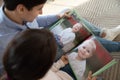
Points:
[(30, 54)]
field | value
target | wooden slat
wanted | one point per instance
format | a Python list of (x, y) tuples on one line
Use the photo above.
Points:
[(113, 73)]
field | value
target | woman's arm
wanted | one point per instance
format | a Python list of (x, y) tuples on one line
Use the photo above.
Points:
[(60, 63)]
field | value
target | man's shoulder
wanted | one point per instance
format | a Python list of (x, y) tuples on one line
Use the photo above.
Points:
[(1, 14)]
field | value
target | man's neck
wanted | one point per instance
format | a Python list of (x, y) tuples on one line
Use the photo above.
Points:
[(12, 15)]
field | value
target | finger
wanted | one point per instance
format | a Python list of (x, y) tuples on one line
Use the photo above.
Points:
[(88, 78), (94, 78), (67, 15), (66, 56), (67, 12), (90, 75)]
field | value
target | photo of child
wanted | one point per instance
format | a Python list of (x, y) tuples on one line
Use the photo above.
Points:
[(78, 59), (68, 34), (67, 37)]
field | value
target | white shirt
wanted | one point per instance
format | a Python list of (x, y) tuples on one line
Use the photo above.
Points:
[(67, 36), (78, 66)]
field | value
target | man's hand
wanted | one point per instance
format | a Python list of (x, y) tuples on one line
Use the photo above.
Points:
[(65, 14)]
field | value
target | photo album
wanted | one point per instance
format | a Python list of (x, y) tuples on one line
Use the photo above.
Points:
[(85, 52)]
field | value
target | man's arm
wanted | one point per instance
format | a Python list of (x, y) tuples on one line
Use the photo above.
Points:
[(46, 20)]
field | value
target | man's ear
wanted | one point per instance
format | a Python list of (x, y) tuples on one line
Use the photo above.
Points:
[(20, 8)]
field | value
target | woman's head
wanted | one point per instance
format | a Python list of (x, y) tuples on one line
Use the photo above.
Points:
[(30, 54), (86, 49)]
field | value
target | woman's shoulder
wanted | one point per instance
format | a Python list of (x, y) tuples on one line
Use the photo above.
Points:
[(3, 77)]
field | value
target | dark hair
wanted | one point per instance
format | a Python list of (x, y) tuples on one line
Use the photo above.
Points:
[(29, 4), (30, 55)]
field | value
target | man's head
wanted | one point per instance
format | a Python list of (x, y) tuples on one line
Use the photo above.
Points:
[(86, 49), (30, 55), (29, 4), (23, 10)]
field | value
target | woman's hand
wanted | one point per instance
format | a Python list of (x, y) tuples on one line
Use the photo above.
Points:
[(90, 76), (64, 58)]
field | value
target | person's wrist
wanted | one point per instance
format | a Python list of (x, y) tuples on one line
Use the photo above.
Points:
[(60, 16)]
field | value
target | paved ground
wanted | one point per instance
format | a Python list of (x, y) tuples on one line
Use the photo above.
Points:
[(54, 6)]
